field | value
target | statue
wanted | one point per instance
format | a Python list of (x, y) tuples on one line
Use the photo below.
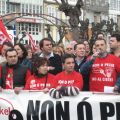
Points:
[(84, 29), (74, 13)]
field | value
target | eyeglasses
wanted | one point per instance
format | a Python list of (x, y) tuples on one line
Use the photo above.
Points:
[(68, 48)]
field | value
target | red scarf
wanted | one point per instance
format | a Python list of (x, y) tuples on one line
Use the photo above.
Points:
[(9, 79)]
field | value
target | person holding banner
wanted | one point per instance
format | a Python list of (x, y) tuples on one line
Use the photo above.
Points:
[(69, 82), (102, 67), (6, 45), (22, 55), (80, 59), (40, 80), (12, 74)]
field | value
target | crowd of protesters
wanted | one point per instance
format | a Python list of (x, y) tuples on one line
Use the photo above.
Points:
[(61, 70)]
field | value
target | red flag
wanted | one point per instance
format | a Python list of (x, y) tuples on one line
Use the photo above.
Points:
[(31, 41), (3, 35)]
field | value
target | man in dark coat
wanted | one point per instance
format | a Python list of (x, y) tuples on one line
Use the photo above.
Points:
[(55, 65), (12, 74)]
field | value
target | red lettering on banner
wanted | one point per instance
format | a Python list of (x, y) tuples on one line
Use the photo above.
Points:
[(5, 108), (4, 111)]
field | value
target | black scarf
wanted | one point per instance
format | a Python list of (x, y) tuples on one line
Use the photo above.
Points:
[(41, 75), (12, 66)]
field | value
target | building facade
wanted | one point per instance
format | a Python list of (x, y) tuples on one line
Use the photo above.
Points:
[(36, 24), (23, 21), (96, 10), (114, 11), (53, 18), (2, 7)]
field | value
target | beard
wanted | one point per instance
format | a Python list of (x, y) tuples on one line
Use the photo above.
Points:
[(112, 50), (102, 54)]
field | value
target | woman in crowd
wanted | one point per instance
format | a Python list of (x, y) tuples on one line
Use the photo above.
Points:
[(87, 46), (22, 55), (58, 50), (93, 49), (41, 79), (29, 52)]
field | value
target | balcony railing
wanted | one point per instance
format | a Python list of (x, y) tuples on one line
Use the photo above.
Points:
[(97, 6)]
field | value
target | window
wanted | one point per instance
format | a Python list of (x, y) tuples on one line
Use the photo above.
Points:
[(26, 8), (34, 9), (22, 27), (37, 42), (31, 28), (113, 4), (40, 9), (12, 8), (3, 7), (26, 41), (118, 5), (37, 30), (30, 8), (52, 12), (22, 8)]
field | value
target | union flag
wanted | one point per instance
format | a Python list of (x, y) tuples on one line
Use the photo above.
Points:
[(31, 41), (4, 36)]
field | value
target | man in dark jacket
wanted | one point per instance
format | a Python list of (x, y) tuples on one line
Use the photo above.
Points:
[(12, 74), (6, 45), (115, 50), (55, 65), (80, 59)]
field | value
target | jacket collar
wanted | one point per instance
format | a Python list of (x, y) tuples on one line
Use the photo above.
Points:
[(49, 56)]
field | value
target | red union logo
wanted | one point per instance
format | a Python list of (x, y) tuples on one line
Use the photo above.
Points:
[(2, 38), (5, 108)]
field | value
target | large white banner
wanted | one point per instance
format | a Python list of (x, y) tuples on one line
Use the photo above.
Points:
[(40, 106)]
